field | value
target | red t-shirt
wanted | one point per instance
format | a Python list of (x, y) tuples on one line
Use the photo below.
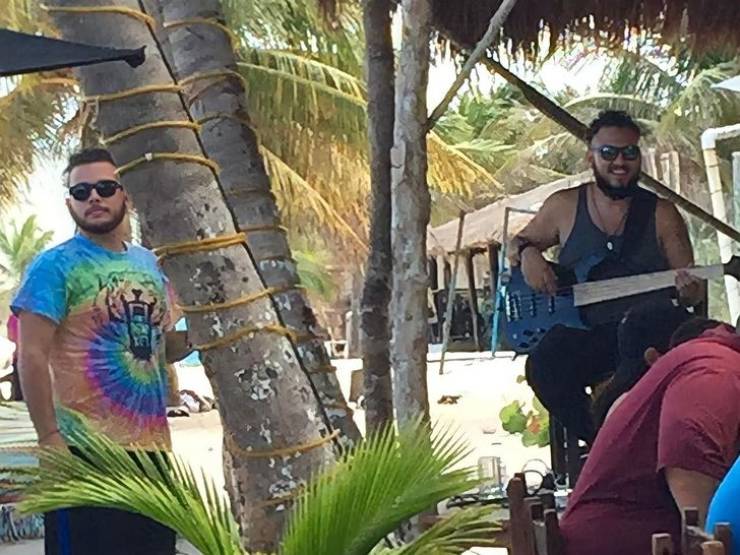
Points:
[(685, 413)]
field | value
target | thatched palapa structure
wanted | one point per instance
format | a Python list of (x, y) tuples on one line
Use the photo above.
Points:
[(698, 24)]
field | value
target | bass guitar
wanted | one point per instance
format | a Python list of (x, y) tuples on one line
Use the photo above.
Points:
[(529, 314)]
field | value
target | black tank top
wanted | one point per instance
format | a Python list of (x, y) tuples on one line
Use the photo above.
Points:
[(636, 251)]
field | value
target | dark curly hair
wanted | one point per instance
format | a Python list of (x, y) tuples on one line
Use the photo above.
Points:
[(612, 118), (87, 156)]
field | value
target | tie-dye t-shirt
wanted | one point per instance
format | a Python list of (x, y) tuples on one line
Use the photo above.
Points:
[(107, 358)]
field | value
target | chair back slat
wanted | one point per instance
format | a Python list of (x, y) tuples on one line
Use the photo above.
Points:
[(712, 548), (516, 492), (663, 544), (723, 533), (691, 532)]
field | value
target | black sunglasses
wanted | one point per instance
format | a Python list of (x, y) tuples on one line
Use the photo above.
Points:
[(105, 188), (611, 152)]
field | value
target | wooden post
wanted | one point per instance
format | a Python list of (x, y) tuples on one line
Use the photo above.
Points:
[(473, 293), (451, 295), (493, 250), (410, 213)]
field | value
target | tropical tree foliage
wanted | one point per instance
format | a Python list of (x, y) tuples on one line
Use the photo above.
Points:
[(347, 510), (307, 99), (18, 246)]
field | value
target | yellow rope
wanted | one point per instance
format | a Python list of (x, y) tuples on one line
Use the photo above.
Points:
[(246, 299), (199, 245), (132, 92), (216, 74), (136, 14), (214, 243), (153, 125), (244, 121), (245, 331), (283, 499), (285, 451), (233, 38), (174, 156)]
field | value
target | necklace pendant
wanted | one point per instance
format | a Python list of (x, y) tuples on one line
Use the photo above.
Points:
[(610, 245)]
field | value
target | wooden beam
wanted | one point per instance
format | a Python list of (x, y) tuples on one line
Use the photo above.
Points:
[(473, 294), (494, 29), (451, 295)]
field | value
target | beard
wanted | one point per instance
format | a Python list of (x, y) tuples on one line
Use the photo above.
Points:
[(100, 228), (616, 192)]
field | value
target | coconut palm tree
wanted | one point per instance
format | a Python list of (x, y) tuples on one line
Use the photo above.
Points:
[(347, 509), (276, 433)]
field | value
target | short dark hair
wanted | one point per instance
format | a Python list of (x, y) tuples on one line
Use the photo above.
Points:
[(87, 156), (612, 118), (692, 329)]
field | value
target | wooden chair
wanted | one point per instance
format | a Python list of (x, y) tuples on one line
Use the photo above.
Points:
[(546, 529), (565, 453), (694, 540), (533, 521)]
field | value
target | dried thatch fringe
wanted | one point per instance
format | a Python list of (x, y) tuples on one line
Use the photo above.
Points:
[(701, 27)]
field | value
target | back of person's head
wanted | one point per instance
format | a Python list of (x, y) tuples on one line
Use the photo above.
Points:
[(692, 329), (611, 118), (645, 327)]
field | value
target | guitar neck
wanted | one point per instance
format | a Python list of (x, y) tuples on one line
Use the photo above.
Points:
[(606, 290)]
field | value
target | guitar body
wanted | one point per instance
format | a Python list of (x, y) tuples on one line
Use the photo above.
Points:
[(529, 315)]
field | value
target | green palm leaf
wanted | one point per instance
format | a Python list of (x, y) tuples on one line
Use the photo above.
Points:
[(161, 487), (454, 535), (386, 480)]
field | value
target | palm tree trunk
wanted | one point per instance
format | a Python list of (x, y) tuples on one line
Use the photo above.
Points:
[(377, 290), (219, 104), (410, 216), (265, 400)]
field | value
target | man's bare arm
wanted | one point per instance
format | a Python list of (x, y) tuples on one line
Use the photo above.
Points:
[(176, 346), (36, 336), (675, 242), (691, 489), (542, 232)]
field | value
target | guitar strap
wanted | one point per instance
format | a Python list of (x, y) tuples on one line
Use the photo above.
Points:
[(641, 209)]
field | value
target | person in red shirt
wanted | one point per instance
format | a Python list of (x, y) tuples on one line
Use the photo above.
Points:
[(665, 447)]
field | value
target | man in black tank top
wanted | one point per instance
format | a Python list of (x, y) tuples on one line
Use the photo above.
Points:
[(633, 230)]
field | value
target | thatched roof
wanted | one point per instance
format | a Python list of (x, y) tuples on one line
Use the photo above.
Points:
[(486, 225), (704, 25)]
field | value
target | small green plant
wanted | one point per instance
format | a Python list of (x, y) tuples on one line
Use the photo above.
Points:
[(346, 510), (534, 425)]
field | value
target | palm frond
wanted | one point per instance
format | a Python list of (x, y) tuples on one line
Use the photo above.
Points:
[(454, 535), (314, 273), (295, 194), (159, 486), (299, 24), (19, 246), (387, 479), (700, 106), (31, 116), (311, 94)]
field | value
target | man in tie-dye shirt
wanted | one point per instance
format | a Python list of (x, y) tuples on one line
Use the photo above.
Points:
[(95, 311)]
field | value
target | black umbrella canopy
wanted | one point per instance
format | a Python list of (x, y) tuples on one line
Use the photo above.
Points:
[(22, 53)]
